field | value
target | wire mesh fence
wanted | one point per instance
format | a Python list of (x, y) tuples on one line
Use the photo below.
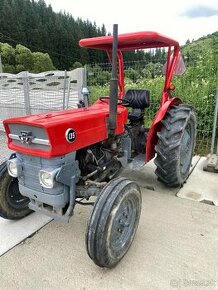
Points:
[(196, 87)]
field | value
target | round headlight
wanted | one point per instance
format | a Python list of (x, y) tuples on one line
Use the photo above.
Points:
[(14, 167), (46, 179)]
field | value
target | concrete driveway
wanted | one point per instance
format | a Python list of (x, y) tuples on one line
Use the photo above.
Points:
[(176, 247)]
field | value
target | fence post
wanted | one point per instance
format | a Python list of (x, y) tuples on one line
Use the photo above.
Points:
[(213, 141), (85, 76), (26, 92), (68, 93), (64, 92), (80, 81)]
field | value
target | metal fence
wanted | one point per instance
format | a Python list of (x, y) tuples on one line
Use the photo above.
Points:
[(27, 93), (196, 87)]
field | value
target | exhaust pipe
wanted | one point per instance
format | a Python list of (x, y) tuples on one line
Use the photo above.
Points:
[(113, 84)]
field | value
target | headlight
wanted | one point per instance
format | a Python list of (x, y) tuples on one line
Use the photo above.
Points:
[(14, 167), (47, 178)]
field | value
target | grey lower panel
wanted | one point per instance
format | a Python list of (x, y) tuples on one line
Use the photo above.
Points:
[(32, 165), (52, 212), (55, 200)]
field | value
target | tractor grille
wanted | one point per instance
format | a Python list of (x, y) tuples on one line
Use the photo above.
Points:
[(31, 165), (29, 136)]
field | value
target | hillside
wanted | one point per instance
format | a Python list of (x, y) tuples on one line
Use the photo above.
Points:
[(201, 57), (33, 24), (202, 46)]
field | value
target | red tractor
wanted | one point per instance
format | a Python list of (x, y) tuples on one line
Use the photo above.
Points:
[(63, 158)]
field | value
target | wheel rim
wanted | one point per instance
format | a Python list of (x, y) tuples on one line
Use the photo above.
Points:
[(123, 224), (15, 199), (186, 149)]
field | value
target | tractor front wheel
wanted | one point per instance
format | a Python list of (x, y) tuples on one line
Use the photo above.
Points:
[(175, 147), (13, 205), (113, 222)]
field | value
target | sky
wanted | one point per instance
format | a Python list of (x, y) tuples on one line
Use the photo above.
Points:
[(180, 19)]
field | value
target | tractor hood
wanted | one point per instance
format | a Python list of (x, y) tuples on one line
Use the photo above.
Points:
[(58, 133)]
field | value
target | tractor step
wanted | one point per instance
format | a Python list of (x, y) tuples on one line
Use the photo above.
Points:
[(137, 162), (211, 163)]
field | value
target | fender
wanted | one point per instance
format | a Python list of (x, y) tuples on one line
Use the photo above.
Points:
[(156, 126)]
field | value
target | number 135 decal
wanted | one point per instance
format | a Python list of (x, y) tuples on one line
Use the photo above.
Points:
[(70, 135)]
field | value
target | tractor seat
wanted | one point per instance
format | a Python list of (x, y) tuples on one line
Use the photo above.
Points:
[(137, 99)]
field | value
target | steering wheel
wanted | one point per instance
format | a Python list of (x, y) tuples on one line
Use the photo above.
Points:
[(119, 101)]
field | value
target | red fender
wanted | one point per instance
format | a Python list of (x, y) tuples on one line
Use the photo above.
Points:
[(156, 126)]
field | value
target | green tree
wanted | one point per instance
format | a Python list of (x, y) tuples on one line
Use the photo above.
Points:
[(76, 64), (35, 25), (8, 57), (24, 58), (21, 58), (42, 62)]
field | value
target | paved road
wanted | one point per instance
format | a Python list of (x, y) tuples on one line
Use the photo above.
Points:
[(175, 248)]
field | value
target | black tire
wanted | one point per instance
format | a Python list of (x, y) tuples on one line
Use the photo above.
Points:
[(12, 204), (175, 147), (113, 222)]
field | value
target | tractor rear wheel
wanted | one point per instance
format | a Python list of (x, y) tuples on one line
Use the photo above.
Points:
[(113, 222), (13, 205), (175, 146)]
